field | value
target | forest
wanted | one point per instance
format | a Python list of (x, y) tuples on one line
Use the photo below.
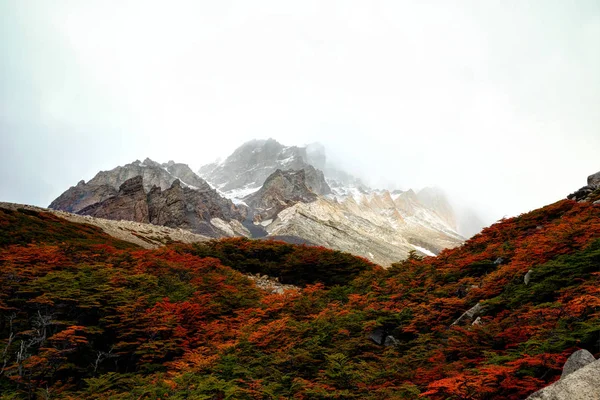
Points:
[(84, 315)]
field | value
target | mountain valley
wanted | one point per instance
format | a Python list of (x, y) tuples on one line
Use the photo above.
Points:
[(102, 309)]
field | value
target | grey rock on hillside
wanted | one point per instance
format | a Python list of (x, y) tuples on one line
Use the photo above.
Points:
[(593, 180), (583, 384), (590, 192), (577, 360)]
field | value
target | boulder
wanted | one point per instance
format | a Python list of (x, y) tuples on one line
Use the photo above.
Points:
[(577, 360), (593, 180), (583, 384), (527, 277), (471, 313), (390, 341), (378, 336)]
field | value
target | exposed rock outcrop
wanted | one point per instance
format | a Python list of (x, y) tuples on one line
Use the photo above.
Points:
[(283, 189), (378, 335), (593, 180), (169, 194), (252, 163), (192, 209), (527, 277), (152, 173), (315, 180), (129, 204), (582, 384), (81, 196), (271, 285), (381, 235), (589, 193), (470, 314)]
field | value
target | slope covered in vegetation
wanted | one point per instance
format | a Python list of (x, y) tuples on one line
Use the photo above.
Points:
[(86, 316)]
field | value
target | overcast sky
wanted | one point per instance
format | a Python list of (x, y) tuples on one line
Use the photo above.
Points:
[(497, 102)]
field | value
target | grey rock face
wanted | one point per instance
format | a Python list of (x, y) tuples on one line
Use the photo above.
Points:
[(593, 180), (281, 190), (185, 174), (106, 183), (152, 173), (81, 196), (167, 208), (583, 384), (253, 162), (192, 209), (174, 196), (315, 180), (577, 360), (378, 336), (129, 204), (591, 192)]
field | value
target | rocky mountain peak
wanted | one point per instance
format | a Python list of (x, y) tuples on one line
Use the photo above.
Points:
[(283, 189), (132, 185), (128, 204), (249, 166), (168, 194)]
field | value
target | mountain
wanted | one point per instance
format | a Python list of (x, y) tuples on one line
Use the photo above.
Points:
[(509, 312), (293, 192), (281, 190), (169, 194), (106, 183), (267, 190), (251, 164)]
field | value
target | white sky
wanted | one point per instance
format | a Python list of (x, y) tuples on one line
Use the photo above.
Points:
[(497, 102)]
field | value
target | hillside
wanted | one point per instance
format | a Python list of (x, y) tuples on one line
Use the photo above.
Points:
[(85, 315)]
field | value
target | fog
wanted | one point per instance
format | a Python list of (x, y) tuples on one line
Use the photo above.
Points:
[(496, 102)]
